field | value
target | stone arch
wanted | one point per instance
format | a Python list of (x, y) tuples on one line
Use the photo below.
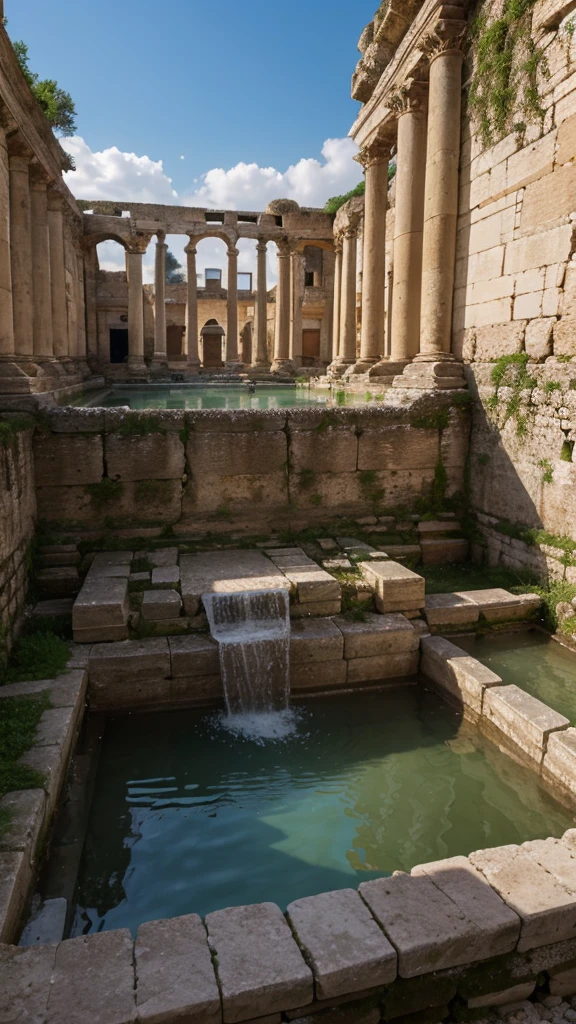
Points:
[(212, 342)]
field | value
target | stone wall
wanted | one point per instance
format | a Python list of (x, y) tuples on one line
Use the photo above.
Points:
[(17, 520), (208, 470)]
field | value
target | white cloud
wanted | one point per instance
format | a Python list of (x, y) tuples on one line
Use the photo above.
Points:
[(113, 174)]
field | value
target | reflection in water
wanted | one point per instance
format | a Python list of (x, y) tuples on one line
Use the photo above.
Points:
[(188, 819), (226, 396)]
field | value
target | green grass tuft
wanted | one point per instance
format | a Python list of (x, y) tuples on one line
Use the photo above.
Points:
[(18, 724), (41, 655)]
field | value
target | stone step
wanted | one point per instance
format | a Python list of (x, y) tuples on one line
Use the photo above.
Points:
[(101, 610), (64, 558), (53, 609), (58, 581), (441, 550), (397, 588), (498, 605), (399, 551), (428, 528)]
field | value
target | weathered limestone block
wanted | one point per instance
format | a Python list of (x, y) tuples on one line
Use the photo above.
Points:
[(56, 728), (450, 610), (26, 809), (538, 337), (15, 879), (428, 930), (26, 972), (547, 910), (60, 581), (134, 671), (67, 459), (498, 605), (174, 972), (149, 501), (55, 558), (438, 552), (293, 562), (162, 557), (315, 640), (396, 551), (504, 338), (564, 337), (514, 994), (461, 882), (104, 559), (101, 610), (225, 455), (94, 980), (226, 572), (343, 944), (563, 983), (318, 675), (319, 608), (160, 604), (334, 450), (194, 656), (195, 689), (523, 719), (237, 421), (399, 447), (258, 490), (260, 968), (559, 763), (464, 678), (144, 456), (327, 490), (397, 588), (382, 666), (378, 635), (103, 572), (314, 586), (52, 765)]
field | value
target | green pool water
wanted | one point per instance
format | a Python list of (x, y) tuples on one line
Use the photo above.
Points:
[(226, 396), (187, 818), (531, 660)]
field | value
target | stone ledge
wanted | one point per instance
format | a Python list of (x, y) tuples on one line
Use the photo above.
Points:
[(523, 719), (462, 678)]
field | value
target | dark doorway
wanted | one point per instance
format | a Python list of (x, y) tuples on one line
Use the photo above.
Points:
[(174, 335), (118, 344), (246, 345), (310, 347)]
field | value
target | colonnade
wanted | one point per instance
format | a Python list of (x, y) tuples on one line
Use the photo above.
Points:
[(427, 138), (39, 322)]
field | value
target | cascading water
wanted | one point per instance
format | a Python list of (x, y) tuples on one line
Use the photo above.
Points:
[(252, 629)]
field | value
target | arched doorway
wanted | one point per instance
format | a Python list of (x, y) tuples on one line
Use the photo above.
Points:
[(212, 335), (246, 344)]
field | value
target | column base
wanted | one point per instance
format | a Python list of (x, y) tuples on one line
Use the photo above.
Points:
[(137, 367), (159, 363), (261, 364), (193, 367), (339, 367), (284, 366), (234, 366), (388, 368), (432, 375), (362, 365)]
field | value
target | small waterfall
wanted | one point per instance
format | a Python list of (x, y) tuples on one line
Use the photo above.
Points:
[(252, 629)]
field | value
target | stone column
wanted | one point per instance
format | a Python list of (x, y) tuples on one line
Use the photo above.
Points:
[(192, 309), (57, 275), (375, 161), (337, 299), (42, 321), (328, 263), (261, 308), (440, 213), (90, 281), (296, 302), (232, 362), (135, 309), (347, 343), (282, 362), (81, 304), (409, 107), (21, 252), (6, 308), (160, 356)]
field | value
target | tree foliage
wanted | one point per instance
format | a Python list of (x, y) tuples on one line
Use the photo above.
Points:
[(173, 268), (333, 205), (56, 104)]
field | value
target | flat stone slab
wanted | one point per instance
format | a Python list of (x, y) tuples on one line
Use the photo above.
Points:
[(429, 931), (139, 577), (25, 987), (227, 572), (546, 908), (315, 640), (458, 879), (353, 542), (560, 759), (327, 544), (450, 610), (194, 656), (103, 558), (160, 604), (402, 550), (463, 677), (52, 609), (436, 551), (164, 556), (175, 974), (347, 950), (26, 808), (317, 585), (101, 603), (104, 572), (129, 660), (93, 980), (337, 563), (165, 574), (522, 718), (397, 588), (498, 605), (429, 527), (378, 635), (47, 926), (260, 968), (292, 561)]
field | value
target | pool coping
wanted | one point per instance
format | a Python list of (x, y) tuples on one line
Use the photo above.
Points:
[(528, 915)]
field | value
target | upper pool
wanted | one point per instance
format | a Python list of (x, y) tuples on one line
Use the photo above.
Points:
[(224, 396)]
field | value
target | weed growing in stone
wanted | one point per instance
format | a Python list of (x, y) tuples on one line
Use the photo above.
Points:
[(18, 724), (40, 655), (548, 471)]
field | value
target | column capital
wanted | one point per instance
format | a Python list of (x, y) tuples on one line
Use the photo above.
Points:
[(338, 244), (410, 97), (283, 246), (138, 243), (377, 152), (262, 245), (447, 38), (232, 252), (190, 249), (38, 178), (55, 199), (161, 237), (18, 149)]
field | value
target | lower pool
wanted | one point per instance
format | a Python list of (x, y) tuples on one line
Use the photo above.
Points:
[(224, 396), (187, 818), (531, 660)]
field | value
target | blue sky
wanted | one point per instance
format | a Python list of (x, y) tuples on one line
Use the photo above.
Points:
[(218, 83)]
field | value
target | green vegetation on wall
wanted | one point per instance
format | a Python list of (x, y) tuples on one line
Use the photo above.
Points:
[(56, 104), (507, 68)]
